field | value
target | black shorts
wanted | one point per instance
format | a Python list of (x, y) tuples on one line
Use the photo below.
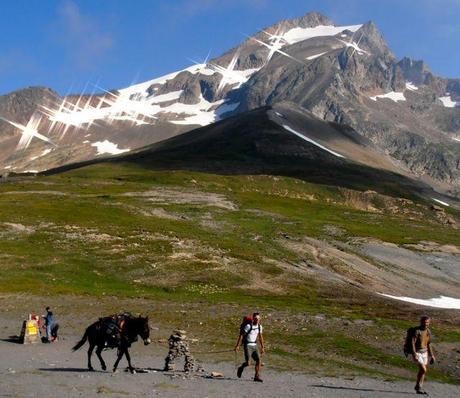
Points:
[(251, 351)]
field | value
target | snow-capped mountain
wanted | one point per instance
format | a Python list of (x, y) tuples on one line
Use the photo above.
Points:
[(346, 74)]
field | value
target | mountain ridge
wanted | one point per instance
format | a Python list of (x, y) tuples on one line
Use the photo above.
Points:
[(346, 74)]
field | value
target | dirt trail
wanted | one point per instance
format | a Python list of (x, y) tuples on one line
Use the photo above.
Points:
[(52, 370)]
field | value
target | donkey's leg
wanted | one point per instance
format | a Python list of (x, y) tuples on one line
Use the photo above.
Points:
[(128, 357), (98, 353), (119, 356), (90, 352)]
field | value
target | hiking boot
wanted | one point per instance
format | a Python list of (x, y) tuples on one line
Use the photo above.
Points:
[(239, 372), (419, 390), (257, 378)]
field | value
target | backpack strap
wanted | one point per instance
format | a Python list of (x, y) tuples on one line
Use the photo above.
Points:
[(249, 331), (246, 334)]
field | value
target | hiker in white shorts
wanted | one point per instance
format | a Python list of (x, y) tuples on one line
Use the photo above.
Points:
[(422, 352), (250, 333)]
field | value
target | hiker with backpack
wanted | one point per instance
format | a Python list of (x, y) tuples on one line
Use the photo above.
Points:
[(418, 345), (250, 334)]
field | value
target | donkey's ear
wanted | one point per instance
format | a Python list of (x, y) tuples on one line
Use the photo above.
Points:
[(147, 318)]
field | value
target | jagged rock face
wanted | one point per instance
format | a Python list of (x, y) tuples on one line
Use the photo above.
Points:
[(20, 105), (337, 86), (187, 83), (337, 74), (453, 87), (415, 71)]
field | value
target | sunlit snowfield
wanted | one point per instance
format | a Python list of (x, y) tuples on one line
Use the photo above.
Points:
[(436, 302)]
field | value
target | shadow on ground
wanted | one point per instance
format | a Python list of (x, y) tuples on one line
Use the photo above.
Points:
[(12, 339), (360, 389), (80, 370)]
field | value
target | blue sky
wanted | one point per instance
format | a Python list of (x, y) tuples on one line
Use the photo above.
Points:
[(63, 44)]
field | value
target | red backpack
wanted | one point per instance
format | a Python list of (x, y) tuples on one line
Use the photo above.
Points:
[(247, 320)]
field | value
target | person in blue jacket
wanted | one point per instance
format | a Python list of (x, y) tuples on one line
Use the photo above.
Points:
[(49, 324)]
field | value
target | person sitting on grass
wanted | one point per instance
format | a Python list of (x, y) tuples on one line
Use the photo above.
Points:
[(422, 352), (250, 333)]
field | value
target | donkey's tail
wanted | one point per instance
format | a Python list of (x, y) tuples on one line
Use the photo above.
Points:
[(81, 342)]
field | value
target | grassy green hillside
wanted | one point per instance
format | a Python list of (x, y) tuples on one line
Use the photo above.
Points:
[(216, 244)]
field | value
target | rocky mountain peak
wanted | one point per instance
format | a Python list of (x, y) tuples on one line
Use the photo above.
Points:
[(346, 74), (20, 104), (370, 37), (310, 20), (416, 71)]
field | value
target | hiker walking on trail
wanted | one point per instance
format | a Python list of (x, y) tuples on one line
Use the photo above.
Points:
[(250, 333), (422, 352)]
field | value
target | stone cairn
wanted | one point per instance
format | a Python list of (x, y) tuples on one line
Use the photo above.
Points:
[(178, 346)]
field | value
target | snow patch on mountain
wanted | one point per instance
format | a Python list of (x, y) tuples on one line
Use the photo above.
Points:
[(311, 141), (311, 57), (118, 107), (393, 95), (171, 96), (202, 113), (448, 102), (45, 152), (231, 76), (355, 46), (140, 89), (128, 118), (138, 111), (243, 76), (300, 34), (139, 103), (436, 302), (411, 86), (108, 147), (441, 202)]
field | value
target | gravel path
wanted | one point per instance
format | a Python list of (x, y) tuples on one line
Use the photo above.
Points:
[(52, 370)]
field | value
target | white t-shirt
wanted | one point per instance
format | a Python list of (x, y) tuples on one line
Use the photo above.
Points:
[(252, 331)]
